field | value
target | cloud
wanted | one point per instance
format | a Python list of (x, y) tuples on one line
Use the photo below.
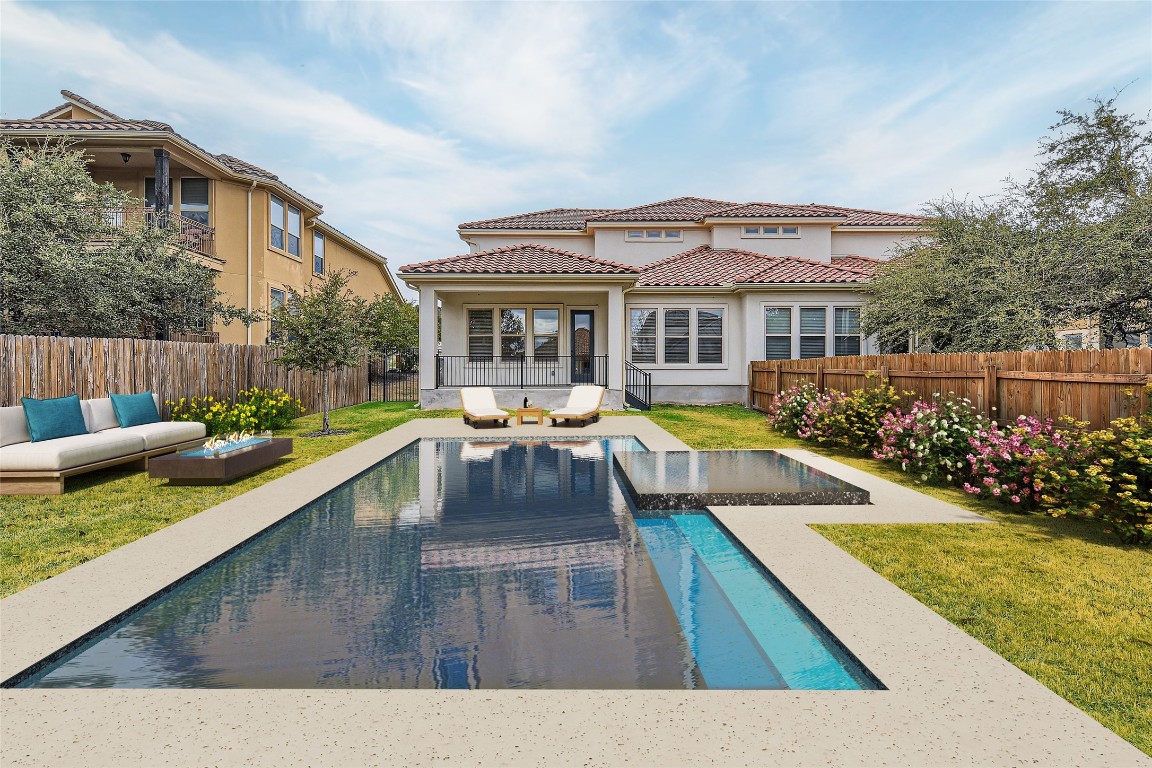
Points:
[(550, 78)]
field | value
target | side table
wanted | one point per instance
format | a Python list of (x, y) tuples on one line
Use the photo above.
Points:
[(534, 413)]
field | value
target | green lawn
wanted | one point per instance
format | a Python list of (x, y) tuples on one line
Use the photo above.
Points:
[(1056, 597)]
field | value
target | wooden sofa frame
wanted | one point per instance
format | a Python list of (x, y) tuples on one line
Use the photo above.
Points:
[(50, 482)]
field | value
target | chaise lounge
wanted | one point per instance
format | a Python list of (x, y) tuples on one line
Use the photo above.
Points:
[(30, 467), (479, 405), (583, 405)]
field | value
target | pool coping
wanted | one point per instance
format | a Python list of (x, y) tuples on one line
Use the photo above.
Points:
[(949, 699)]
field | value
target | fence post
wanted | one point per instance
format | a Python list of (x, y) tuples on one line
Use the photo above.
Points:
[(990, 391), (883, 375), (779, 379), (437, 370), (819, 377)]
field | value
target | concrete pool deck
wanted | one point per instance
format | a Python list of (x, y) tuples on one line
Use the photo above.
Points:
[(950, 700)]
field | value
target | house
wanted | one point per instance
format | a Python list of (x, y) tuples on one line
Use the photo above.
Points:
[(258, 234), (666, 302)]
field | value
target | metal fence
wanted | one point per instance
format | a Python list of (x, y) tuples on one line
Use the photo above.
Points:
[(394, 378), (524, 372)]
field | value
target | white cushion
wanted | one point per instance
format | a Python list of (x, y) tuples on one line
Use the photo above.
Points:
[(99, 414), (163, 433), (584, 398), (494, 413), (480, 401), (13, 426), (67, 452)]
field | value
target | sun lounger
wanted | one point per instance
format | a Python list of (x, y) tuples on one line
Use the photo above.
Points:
[(479, 405), (583, 405)]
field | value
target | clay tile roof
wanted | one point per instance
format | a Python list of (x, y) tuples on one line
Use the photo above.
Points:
[(862, 217), (52, 111), (706, 266), (240, 166), (522, 259), (553, 218), (861, 263), (89, 105), (38, 124), (770, 210), (677, 209)]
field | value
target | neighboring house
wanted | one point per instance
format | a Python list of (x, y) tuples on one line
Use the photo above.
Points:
[(683, 294), (257, 233)]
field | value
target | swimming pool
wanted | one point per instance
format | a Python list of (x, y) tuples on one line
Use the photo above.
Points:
[(474, 564)]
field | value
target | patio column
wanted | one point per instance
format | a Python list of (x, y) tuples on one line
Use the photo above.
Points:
[(427, 337), (616, 331), (162, 200)]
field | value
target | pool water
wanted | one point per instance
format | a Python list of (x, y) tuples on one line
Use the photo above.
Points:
[(474, 564)]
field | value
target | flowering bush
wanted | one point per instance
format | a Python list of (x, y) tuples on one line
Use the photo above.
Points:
[(1107, 476), (852, 421), (787, 409), (931, 440), (254, 409), (1008, 464)]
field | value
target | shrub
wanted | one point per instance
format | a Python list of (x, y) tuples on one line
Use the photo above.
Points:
[(787, 408), (1107, 476), (931, 440), (255, 409), (852, 421), (1005, 463)]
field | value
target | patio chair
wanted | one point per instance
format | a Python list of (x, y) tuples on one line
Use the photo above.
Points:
[(583, 405), (479, 405)]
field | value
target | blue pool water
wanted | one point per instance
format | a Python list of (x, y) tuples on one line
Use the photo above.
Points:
[(474, 564)]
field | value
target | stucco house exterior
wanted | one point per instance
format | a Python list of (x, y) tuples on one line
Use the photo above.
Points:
[(681, 295), (258, 234)]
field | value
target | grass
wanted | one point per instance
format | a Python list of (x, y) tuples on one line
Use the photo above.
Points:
[(1057, 597), (41, 536)]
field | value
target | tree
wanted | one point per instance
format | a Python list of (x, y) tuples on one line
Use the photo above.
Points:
[(320, 329), (392, 327), (1073, 242), (82, 259)]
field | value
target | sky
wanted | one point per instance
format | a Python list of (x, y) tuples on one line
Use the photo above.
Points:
[(406, 119)]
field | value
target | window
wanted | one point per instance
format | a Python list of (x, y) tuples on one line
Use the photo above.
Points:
[(284, 220), (276, 220), (847, 327), (1074, 341), (653, 235), (546, 332), (318, 253), (770, 231), (710, 336), (777, 333), (513, 331), (676, 336), (194, 199), (275, 301), (677, 333), (643, 328), (479, 335), (813, 331), (150, 193)]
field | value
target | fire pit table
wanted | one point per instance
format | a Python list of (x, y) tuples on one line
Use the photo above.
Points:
[(203, 467)]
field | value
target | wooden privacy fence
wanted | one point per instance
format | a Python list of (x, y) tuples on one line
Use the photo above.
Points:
[(52, 366), (1096, 386)]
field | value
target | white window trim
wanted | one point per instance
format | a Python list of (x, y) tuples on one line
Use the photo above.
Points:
[(779, 235), (859, 334), (793, 337), (529, 336), (829, 313), (693, 337), (317, 235), (663, 238)]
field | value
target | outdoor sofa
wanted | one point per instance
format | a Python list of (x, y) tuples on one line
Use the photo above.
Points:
[(40, 467)]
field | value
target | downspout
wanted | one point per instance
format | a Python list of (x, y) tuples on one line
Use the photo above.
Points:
[(248, 270)]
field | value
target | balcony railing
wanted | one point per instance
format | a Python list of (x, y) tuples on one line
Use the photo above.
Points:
[(190, 233), (527, 372)]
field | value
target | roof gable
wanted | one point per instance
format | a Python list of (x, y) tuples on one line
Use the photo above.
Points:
[(521, 259)]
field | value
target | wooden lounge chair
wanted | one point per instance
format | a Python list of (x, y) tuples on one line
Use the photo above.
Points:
[(479, 405), (583, 405)]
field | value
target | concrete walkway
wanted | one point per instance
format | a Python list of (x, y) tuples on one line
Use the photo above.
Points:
[(950, 701)]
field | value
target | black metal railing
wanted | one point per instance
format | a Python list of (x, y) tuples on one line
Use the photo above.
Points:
[(394, 377), (637, 387), (526, 372)]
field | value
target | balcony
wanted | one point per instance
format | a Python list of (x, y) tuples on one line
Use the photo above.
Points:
[(521, 372), (191, 234)]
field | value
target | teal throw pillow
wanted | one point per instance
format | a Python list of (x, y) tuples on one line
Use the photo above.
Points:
[(54, 417), (134, 410)]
